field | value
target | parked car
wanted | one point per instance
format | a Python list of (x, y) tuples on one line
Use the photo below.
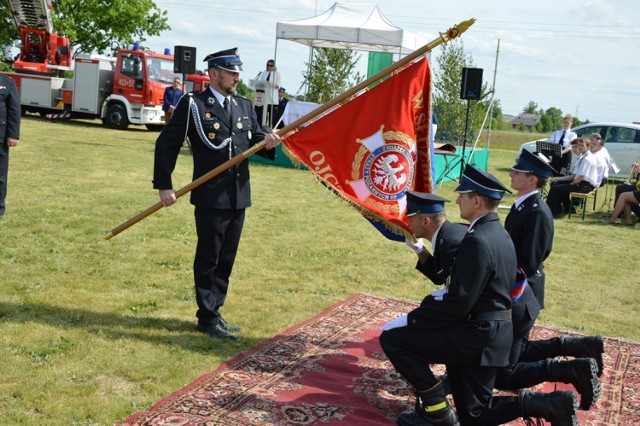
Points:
[(621, 140)]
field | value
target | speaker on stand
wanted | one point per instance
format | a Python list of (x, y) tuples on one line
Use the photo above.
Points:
[(184, 61), (470, 88)]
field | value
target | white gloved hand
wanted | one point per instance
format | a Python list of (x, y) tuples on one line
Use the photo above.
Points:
[(437, 294), (402, 321), (417, 247)]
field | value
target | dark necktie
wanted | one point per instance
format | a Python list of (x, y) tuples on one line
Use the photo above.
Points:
[(268, 76), (227, 108), (562, 137)]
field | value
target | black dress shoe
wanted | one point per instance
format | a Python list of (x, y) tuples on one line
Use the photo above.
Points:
[(215, 330), (228, 327)]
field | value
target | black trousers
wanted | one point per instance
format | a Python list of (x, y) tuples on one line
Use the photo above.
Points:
[(527, 360), (271, 113), (561, 162), (218, 238), (558, 197), (4, 172), (412, 350)]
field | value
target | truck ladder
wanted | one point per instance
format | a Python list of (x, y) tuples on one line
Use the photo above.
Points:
[(32, 14)]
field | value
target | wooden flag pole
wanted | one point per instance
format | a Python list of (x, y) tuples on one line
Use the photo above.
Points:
[(451, 33), (186, 189)]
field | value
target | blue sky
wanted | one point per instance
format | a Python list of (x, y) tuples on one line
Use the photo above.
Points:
[(580, 56)]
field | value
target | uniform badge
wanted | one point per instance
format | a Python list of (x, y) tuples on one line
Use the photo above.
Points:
[(216, 126), (383, 168), (212, 135), (211, 101), (239, 125)]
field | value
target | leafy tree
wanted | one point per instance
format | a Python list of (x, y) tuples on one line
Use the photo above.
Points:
[(546, 124), (531, 108), (496, 110), (8, 30), (97, 26), (555, 118), (331, 73), (450, 109)]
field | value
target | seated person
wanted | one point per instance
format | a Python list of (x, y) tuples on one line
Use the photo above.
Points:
[(563, 137), (631, 186), (624, 204), (603, 159), (583, 179)]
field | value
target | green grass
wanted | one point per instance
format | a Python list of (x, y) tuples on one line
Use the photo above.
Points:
[(93, 330)]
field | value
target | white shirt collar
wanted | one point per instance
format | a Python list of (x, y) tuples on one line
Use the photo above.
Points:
[(434, 238), (521, 199), (219, 96)]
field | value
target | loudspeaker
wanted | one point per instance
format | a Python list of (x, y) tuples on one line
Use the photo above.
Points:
[(471, 83), (184, 60)]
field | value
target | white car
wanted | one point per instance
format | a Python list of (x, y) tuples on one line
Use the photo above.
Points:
[(621, 140)]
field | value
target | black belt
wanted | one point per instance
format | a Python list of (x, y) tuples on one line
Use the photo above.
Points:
[(489, 316)]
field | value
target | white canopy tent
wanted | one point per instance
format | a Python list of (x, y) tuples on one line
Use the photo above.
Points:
[(354, 26)]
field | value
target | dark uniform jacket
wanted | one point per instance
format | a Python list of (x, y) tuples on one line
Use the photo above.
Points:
[(9, 109), (531, 229), (437, 266), (481, 281), (230, 189)]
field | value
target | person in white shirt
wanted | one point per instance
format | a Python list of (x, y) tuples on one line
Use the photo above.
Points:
[(603, 159), (270, 95), (583, 179), (563, 137)]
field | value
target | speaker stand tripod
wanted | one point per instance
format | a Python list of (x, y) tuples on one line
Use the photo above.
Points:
[(464, 139)]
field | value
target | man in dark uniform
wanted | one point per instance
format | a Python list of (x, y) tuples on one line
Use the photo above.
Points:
[(9, 130), (282, 104), (530, 225), (428, 219), (469, 329), (219, 125)]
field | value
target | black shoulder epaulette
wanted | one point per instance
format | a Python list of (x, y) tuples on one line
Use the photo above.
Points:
[(238, 95)]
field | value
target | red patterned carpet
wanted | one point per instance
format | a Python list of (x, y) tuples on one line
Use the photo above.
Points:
[(330, 370)]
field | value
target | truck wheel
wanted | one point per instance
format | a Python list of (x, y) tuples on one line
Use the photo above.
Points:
[(116, 117)]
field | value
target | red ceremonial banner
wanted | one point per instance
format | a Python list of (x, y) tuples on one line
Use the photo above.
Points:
[(376, 147)]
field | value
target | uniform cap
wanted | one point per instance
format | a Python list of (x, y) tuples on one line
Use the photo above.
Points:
[(422, 202), (474, 180), (533, 163), (226, 59)]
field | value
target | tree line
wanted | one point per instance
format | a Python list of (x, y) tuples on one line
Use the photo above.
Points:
[(330, 73)]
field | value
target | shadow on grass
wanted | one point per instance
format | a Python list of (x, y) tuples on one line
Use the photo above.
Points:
[(160, 331), (86, 123)]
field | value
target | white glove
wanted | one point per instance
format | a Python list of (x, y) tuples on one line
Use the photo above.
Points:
[(437, 294), (417, 247), (396, 323)]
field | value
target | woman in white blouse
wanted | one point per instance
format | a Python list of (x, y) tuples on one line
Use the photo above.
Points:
[(270, 95)]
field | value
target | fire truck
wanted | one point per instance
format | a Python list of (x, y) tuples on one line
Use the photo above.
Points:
[(127, 89)]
